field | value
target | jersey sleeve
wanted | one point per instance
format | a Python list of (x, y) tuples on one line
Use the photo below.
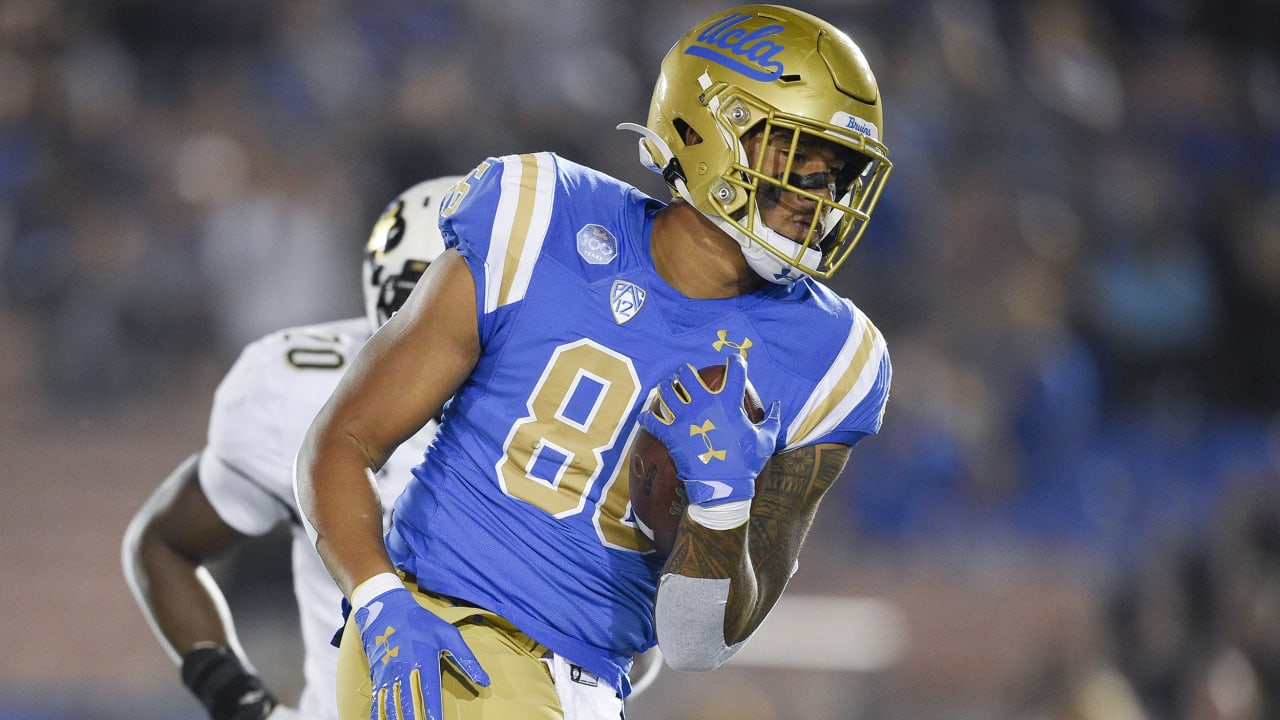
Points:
[(498, 223), (849, 401), (241, 467)]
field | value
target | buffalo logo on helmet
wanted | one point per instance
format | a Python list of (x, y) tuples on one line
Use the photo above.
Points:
[(389, 229)]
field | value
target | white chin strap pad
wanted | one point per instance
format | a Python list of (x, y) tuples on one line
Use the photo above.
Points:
[(690, 622), (764, 263)]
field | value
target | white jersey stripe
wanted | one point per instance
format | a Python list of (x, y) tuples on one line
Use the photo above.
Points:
[(504, 218), (520, 227), (845, 385)]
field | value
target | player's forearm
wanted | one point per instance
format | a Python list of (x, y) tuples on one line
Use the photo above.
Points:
[(338, 498), (700, 552), (706, 600), (164, 551), (745, 568), (353, 551), (178, 596)]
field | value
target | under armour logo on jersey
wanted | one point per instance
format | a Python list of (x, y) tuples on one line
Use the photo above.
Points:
[(725, 342), (711, 453), (625, 300), (382, 641), (596, 244)]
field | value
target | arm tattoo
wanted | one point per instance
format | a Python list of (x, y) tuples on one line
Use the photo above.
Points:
[(700, 552), (786, 502), (788, 492)]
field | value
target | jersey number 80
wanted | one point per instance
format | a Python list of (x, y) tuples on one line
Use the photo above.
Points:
[(554, 456)]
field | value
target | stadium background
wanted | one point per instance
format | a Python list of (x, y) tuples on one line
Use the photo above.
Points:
[(1076, 264)]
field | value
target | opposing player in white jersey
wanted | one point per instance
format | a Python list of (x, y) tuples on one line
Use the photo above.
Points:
[(241, 484)]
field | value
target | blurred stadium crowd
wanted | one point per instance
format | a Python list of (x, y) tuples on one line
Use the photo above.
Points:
[(1076, 262)]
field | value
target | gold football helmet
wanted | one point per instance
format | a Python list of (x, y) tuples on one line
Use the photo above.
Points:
[(775, 70)]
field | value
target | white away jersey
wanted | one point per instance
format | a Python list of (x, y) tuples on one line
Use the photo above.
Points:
[(261, 411)]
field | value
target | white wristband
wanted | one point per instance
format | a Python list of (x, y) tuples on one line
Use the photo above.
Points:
[(373, 587), (722, 516)]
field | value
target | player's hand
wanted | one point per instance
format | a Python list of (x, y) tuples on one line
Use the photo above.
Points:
[(404, 643), (287, 713), (226, 688), (717, 450)]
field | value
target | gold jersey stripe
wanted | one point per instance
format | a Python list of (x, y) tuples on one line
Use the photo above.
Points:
[(528, 190), (520, 225), (836, 396)]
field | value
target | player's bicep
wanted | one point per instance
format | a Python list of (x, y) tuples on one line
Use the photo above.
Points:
[(179, 518), (412, 365)]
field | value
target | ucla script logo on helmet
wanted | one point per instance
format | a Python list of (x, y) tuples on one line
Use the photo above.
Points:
[(727, 42)]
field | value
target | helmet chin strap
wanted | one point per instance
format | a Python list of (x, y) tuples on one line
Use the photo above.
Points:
[(764, 263)]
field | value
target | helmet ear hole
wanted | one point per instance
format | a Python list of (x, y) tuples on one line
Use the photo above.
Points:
[(688, 135)]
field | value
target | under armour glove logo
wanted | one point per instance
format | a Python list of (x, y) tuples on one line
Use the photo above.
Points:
[(406, 676), (382, 644), (711, 453), (740, 447)]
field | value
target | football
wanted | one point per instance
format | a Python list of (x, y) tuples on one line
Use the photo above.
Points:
[(657, 495)]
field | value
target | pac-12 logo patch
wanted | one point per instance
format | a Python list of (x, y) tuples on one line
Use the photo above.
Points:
[(625, 299), (596, 244)]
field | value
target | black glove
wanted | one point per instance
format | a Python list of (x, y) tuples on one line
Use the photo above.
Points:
[(225, 687)]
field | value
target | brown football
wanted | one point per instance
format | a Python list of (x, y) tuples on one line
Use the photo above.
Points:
[(657, 495)]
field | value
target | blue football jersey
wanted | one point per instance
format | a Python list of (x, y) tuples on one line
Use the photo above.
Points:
[(521, 505)]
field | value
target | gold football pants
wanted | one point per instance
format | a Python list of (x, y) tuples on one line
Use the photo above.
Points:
[(520, 685)]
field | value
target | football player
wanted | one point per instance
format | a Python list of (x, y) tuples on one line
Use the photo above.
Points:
[(241, 484), (513, 581)]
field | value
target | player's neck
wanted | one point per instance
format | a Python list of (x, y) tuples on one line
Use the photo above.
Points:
[(697, 258)]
